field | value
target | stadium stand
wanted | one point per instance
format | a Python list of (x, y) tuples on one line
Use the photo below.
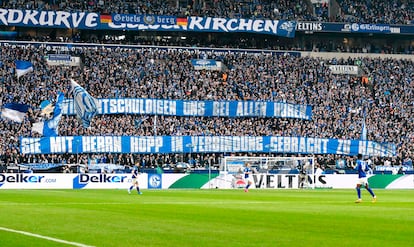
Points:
[(337, 99)]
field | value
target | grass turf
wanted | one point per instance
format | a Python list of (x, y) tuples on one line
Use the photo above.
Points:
[(206, 218)]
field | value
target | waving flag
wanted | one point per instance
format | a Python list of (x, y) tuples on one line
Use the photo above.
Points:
[(23, 67), (138, 122), (86, 106), (51, 127), (15, 111), (364, 128), (364, 131)]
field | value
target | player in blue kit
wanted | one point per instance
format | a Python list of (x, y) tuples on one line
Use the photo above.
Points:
[(247, 177), (135, 172), (362, 167)]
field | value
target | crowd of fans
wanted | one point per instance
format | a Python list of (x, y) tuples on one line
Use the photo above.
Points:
[(338, 101), (380, 12), (386, 12)]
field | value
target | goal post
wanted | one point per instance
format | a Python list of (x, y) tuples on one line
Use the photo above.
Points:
[(268, 172)]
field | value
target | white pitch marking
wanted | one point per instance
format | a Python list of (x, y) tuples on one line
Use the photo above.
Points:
[(61, 203), (45, 237), (139, 202)]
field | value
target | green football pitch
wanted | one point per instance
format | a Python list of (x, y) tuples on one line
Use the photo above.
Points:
[(205, 218)]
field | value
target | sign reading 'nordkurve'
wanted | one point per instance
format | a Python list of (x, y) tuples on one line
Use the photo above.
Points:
[(88, 20)]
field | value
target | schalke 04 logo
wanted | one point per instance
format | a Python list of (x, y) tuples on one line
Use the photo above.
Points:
[(154, 181)]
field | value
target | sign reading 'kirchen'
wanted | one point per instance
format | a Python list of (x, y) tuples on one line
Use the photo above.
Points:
[(89, 20)]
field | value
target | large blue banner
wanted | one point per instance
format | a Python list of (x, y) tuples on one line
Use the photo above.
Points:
[(198, 108), (331, 27), (202, 144), (212, 24), (96, 21)]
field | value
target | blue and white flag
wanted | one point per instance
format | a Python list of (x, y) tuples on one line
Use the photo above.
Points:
[(138, 122), (23, 67), (15, 111), (364, 129), (86, 106), (51, 127)]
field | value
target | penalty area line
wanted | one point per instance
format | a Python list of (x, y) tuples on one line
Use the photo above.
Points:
[(44, 237)]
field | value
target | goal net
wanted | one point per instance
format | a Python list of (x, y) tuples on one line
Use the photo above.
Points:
[(268, 172)]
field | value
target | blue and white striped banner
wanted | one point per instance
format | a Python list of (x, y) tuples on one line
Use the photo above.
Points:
[(15, 111), (198, 108), (203, 144)]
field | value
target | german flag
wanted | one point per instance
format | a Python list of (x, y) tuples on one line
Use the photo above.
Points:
[(106, 18), (183, 21)]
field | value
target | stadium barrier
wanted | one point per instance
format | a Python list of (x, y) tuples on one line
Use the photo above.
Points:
[(189, 180)]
